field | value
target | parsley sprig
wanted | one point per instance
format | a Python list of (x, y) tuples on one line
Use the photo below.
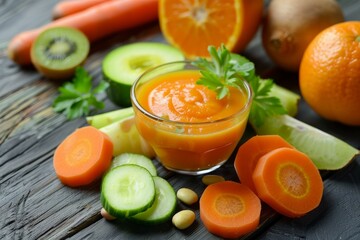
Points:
[(226, 70), (77, 98)]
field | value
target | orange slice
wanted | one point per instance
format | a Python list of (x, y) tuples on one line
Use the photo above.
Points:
[(193, 25)]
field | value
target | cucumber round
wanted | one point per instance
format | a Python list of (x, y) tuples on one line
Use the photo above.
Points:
[(123, 65), (164, 206), (137, 159), (127, 190)]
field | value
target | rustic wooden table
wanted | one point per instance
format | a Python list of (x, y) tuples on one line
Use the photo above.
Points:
[(35, 205)]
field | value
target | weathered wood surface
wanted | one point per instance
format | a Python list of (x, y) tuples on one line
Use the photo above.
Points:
[(35, 205)]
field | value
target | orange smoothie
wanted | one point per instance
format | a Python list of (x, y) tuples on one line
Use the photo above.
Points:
[(189, 128)]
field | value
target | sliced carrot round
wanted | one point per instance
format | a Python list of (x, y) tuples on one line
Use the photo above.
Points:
[(249, 153), (229, 209), (288, 181), (83, 156)]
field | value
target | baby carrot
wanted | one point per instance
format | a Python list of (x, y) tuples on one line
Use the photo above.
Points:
[(249, 153), (229, 209), (96, 22), (83, 156), (288, 181), (68, 7)]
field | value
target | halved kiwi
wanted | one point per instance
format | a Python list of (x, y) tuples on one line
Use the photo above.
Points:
[(325, 150), (57, 51), (123, 65)]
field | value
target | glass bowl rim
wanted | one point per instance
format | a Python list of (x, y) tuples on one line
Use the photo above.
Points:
[(137, 105)]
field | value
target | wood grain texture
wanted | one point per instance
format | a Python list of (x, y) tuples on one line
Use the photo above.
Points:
[(35, 205)]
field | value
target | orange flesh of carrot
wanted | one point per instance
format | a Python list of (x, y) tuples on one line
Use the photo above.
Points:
[(229, 209), (288, 181), (83, 157), (96, 22), (249, 153), (68, 7)]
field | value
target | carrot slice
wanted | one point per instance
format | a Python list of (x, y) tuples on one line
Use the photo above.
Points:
[(83, 156), (229, 209), (288, 181), (249, 153)]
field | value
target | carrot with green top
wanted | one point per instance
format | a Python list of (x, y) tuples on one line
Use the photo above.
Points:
[(83, 157), (96, 22), (68, 7), (249, 153), (288, 181), (229, 209)]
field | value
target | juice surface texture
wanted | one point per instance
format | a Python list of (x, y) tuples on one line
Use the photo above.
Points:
[(193, 130)]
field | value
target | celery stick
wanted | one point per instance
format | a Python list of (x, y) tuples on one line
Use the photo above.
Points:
[(326, 151), (104, 119), (289, 99)]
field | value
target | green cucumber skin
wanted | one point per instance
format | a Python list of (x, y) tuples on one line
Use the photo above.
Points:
[(118, 213), (147, 217), (338, 154), (118, 93), (137, 159)]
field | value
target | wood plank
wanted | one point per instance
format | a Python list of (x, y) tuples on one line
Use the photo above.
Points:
[(35, 205)]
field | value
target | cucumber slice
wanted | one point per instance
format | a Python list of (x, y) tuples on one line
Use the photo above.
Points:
[(137, 159), (325, 150), (163, 207), (123, 65), (127, 190)]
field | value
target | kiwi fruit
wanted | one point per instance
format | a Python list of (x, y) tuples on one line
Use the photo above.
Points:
[(57, 51), (123, 65), (326, 151)]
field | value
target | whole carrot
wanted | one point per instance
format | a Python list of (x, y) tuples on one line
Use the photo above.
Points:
[(96, 22), (68, 7)]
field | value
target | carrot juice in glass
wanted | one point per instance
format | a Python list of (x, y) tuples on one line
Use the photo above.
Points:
[(190, 130)]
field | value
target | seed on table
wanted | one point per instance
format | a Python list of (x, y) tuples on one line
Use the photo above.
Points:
[(183, 219), (106, 215), (210, 179), (187, 196)]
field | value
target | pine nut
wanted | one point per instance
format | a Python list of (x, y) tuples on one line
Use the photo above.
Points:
[(106, 215), (187, 196), (210, 179), (183, 219)]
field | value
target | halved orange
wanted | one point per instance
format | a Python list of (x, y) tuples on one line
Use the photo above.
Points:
[(193, 25)]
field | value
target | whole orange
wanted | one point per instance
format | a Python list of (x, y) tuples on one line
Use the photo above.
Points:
[(329, 74), (193, 25)]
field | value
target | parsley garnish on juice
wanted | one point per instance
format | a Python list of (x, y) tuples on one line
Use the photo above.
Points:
[(77, 97), (226, 69)]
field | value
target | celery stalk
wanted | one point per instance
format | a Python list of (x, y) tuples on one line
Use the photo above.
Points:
[(288, 99), (326, 151), (104, 119)]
